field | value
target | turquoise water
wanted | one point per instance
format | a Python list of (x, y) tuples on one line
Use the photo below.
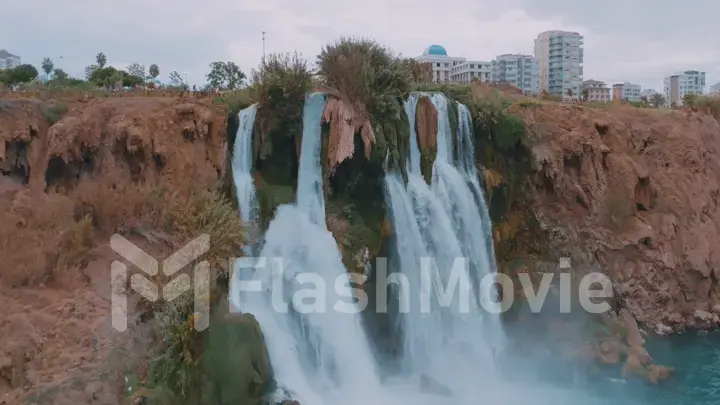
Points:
[(695, 358)]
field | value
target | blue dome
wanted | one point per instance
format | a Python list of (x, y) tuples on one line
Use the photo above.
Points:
[(435, 50)]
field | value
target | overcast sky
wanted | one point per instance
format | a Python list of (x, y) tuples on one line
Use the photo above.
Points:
[(640, 41)]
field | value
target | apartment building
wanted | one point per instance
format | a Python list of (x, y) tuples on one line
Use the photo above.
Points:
[(8, 60), (626, 91), (678, 85), (715, 88), (447, 69), (440, 62), (519, 70), (469, 70), (595, 90), (560, 63)]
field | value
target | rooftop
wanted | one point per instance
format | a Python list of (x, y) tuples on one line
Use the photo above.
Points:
[(6, 54), (435, 50)]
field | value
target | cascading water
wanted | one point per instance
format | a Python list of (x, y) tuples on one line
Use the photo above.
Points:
[(426, 225), (455, 191), (317, 345), (242, 165), (318, 349), (413, 163), (466, 165)]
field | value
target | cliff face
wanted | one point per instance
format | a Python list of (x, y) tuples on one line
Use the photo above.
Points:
[(125, 165), (634, 193)]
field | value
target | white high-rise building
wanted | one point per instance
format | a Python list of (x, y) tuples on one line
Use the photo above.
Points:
[(447, 69), (678, 85), (560, 61), (8, 60), (517, 69)]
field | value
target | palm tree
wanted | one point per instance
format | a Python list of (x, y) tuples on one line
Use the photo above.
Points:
[(154, 71), (657, 100), (47, 66), (101, 60)]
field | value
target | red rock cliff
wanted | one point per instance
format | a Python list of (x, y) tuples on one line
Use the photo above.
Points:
[(634, 192)]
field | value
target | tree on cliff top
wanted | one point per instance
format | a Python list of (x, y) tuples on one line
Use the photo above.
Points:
[(47, 66), (372, 84), (420, 72), (136, 69), (368, 74), (279, 86), (19, 74), (101, 60), (154, 71), (225, 76)]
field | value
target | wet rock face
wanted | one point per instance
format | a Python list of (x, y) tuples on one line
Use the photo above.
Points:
[(635, 193)]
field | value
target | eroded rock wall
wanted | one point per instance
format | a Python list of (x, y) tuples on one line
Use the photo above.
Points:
[(634, 192), (66, 184)]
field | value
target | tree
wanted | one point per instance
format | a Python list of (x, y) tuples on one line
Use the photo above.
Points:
[(101, 60), (420, 72), (154, 71), (47, 66), (175, 79), (129, 80), (136, 69), (585, 94), (657, 100), (19, 74), (569, 92), (60, 75), (689, 99), (225, 75), (89, 70), (106, 77)]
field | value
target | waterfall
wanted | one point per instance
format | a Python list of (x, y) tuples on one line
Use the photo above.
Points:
[(467, 166), (297, 290), (428, 223), (242, 166), (413, 163), (317, 346)]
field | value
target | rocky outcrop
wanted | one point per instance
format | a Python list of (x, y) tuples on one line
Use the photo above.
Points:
[(67, 181), (150, 140), (634, 193), (23, 141)]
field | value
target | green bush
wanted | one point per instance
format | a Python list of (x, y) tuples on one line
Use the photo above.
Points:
[(235, 100), (374, 80), (279, 87), (55, 111)]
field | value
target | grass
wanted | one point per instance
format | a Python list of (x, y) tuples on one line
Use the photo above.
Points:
[(54, 111)]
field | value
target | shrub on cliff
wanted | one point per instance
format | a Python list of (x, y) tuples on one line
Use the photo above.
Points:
[(279, 87), (373, 79), (374, 82)]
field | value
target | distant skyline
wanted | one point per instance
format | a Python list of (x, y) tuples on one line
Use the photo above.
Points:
[(638, 41)]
